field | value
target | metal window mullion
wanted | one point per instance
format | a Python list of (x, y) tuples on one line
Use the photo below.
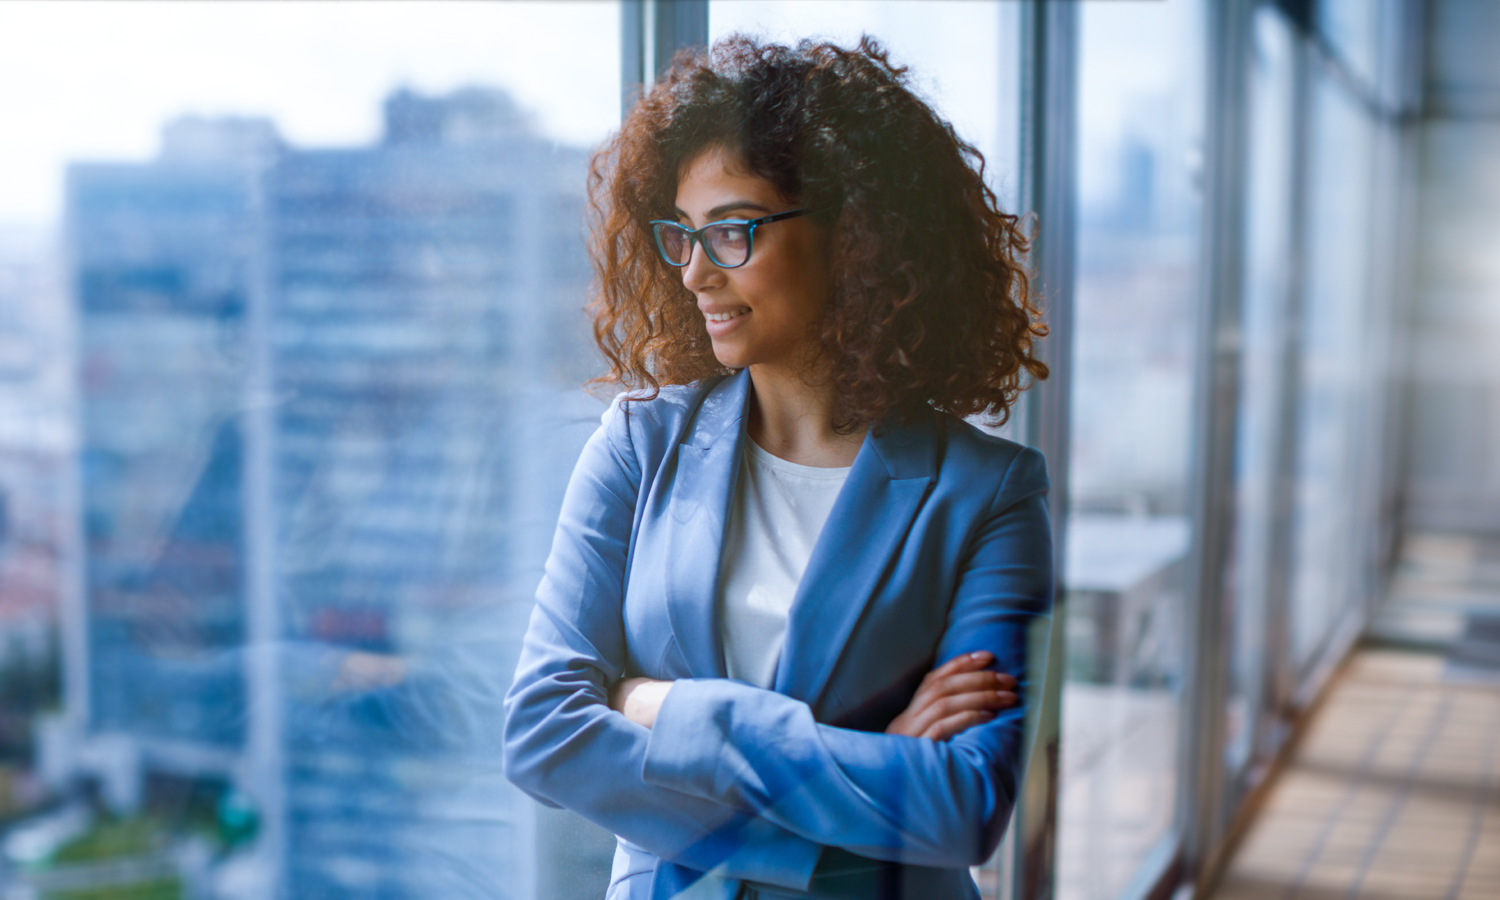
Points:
[(651, 32), (1407, 71), (678, 24), (1395, 170), (1280, 672), (265, 765), (1201, 810), (632, 53), (74, 604), (1048, 183), (1256, 546)]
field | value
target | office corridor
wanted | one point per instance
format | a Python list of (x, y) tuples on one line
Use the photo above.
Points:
[(1393, 792)]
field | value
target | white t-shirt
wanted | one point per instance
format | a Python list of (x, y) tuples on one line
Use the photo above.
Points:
[(779, 508)]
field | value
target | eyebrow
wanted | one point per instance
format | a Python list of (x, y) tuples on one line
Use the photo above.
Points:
[(718, 211)]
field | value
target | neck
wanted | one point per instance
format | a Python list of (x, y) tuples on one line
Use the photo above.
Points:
[(791, 416)]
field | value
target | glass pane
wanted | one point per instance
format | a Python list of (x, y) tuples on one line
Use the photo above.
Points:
[(325, 271), (1325, 526), (1262, 386), (1140, 137)]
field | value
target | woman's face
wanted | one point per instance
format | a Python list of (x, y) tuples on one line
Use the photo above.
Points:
[(765, 313)]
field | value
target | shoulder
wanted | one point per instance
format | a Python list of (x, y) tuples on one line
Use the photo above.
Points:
[(976, 460), (646, 426)]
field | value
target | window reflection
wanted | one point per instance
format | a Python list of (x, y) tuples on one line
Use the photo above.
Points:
[(327, 400)]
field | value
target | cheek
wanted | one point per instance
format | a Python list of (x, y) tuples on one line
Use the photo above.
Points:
[(815, 286), (798, 303)]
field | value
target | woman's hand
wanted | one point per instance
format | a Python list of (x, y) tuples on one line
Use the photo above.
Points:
[(954, 697), (639, 699)]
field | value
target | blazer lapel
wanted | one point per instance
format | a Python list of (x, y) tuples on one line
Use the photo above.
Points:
[(865, 530), (694, 521)]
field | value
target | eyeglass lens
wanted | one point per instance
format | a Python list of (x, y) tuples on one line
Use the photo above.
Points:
[(727, 245)]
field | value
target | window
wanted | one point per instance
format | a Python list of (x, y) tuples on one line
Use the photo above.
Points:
[(324, 269), (1139, 150)]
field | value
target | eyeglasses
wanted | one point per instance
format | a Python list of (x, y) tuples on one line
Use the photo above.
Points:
[(727, 242)]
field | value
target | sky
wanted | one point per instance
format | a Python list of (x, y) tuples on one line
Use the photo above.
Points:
[(1136, 81), (95, 80)]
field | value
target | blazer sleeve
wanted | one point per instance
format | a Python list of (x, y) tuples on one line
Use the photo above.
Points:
[(888, 797), (564, 746)]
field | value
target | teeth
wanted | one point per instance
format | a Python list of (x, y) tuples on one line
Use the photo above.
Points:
[(725, 317)]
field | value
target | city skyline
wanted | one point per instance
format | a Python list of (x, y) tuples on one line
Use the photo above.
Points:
[(329, 398)]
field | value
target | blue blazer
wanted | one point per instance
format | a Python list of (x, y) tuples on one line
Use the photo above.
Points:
[(938, 545)]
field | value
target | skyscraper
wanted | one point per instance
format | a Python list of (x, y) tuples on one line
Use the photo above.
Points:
[(161, 254), (412, 285), (330, 403)]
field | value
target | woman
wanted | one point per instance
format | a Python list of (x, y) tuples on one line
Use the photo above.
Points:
[(769, 649)]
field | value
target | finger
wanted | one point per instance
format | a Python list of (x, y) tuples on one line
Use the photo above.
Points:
[(956, 724), (953, 685), (964, 662), (964, 683), (940, 709)]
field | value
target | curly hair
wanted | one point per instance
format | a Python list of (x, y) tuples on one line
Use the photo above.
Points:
[(930, 304)]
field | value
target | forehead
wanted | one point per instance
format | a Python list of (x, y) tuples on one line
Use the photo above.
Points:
[(718, 176)]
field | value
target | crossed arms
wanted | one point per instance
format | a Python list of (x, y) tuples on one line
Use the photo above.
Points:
[(744, 780)]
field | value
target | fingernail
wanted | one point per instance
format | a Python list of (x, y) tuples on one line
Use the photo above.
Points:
[(979, 654)]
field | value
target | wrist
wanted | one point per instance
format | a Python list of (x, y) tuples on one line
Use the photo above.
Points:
[(644, 701)]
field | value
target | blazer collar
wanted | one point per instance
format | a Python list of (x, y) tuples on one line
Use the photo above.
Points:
[(905, 451), (887, 483), (722, 415), (864, 534), (696, 522)]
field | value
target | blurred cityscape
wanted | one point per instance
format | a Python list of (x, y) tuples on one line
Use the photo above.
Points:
[(282, 436), (285, 434)]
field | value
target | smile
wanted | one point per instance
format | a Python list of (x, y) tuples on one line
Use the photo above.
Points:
[(725, 317)]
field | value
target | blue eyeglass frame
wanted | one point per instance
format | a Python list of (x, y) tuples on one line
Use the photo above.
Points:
[(696, 235)]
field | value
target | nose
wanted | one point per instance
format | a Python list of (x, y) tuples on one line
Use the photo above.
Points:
[(700, 274)]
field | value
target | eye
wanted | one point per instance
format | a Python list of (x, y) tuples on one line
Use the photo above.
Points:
[(729, 235)]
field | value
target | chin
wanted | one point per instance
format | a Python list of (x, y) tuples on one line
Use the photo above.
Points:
[(730, 357)]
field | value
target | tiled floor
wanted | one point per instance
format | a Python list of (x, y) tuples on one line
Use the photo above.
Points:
[(1394, 793), (1442, 580)]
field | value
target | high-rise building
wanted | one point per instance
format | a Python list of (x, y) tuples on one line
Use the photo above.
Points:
[(330, 402), (409, 331), (36, 442), (161, 256)]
